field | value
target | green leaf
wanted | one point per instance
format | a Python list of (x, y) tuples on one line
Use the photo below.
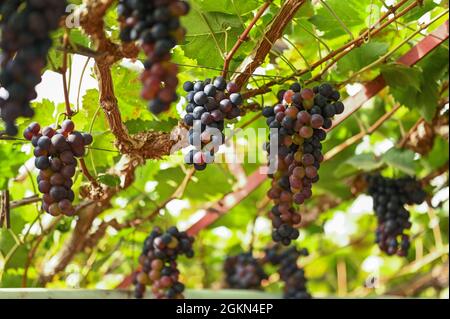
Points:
[(420, 91), (435, 158), (361, 57), (138, 125), (11, 158), (366, 162), (419, 11), (238, 7), (209, 35), (109, 180), (401, 76), (402, 160), (351, 12)]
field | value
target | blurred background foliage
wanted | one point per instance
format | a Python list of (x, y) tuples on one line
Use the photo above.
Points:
[(341, 240)]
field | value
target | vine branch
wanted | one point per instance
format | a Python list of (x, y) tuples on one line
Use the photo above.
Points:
[(273, 32), (63, 71), (243, 37), (342, 51)]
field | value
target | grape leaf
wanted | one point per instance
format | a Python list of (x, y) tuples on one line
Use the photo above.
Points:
[(11, 158), (352, 12), (419, 11), (139, 125), (238, 7), (403, 77), (209, 35), (414, 89), (109, 180), (403, 160), (361, 57), (365, 162)]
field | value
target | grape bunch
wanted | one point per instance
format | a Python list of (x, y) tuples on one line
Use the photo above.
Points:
[(292, 275), (298, 123), (156, 25), (210, 103), (243, 271), (25, 41), (389, 199), (56, 153), (159, 263)]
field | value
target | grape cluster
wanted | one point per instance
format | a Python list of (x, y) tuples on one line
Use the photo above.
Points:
[(389, 199), (156, 25), (210, 103), (55, 154), (299, 120), (159, 263), (292, 275), (25, 41), (243, 271)]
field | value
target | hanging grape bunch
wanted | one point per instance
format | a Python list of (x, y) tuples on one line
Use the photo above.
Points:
[(292, 275), (156, 25), (300, 119), (389, 199), (25, 42), (159, 263), (55, 154), (243, 271), (209, 105)]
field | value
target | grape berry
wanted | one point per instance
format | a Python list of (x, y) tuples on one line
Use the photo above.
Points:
[(299, 119), (389, 199), (243, 271), (25, 43), (210, 103), (159, 263), (156, 25), (292, 275), (55, 154)]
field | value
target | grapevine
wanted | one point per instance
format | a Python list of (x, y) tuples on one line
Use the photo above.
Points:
[(156, 25), (137, 177), (55, 154), (298, 123), (26, 26), (159, 263)]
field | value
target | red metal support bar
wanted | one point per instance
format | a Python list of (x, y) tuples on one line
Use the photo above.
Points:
[(229, 201)]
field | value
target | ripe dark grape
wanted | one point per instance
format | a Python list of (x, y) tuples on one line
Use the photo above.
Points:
[(243, 271), (26, 28), (57, 162), (209, 105), (155, 25), (158, 263), (389, 197), (300, 117), (290, 273)]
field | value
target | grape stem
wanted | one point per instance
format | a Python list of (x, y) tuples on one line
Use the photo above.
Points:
[(25, 201), (63, 71), (87, 174), (4, 209), (243, 37), (272, 33)]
